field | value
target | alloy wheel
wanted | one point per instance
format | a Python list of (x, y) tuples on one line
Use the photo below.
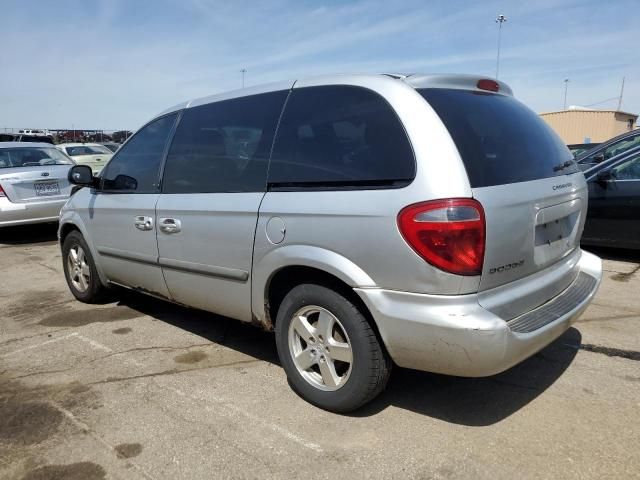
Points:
[(320, 348)]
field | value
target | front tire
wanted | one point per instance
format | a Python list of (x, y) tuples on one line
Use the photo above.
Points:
[(331, 355), (80, 270)]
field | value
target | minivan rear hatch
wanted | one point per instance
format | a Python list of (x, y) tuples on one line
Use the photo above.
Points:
[(524, 176)]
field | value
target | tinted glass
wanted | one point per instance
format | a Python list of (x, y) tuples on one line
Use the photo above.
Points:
[(136, 165), (32, 157), (87, 150), (627, 170), (223, 146), (36, 138), (342, 136), (499, 139), (621, 146)]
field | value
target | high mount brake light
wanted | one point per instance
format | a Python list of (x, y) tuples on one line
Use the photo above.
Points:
[(490, 85), (449, 234)]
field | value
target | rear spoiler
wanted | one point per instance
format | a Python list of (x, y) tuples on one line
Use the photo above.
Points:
[(459, 81)]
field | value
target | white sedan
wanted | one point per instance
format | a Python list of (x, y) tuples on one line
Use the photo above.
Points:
[(33, 183), (92, 154)]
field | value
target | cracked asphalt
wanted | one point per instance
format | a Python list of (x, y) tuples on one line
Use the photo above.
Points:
[(142, 389)]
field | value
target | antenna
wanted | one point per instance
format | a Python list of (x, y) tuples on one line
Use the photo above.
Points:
[(620, 98)]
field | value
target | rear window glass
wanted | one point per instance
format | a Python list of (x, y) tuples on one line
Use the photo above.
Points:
[(342, 137), (87, 150), (499, 139), (31, 157)]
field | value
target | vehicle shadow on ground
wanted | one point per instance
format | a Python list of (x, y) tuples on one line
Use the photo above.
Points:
[(240, 336), (618, 254), (478, 401), (26, 234), (464, 401)]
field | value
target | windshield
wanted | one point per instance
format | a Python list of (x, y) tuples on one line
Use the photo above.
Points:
[(32, 157), (578, 151), (500, 140), (621, 147), (87, 150)]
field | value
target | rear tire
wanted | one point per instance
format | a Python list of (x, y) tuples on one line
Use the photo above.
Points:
[(331, 355), (80, 270)]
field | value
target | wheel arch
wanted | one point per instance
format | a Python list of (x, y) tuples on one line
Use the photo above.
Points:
[(282, 269), (65, 229), (71, 224)]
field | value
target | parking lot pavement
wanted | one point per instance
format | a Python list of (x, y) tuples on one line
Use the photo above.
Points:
[(140, 388)]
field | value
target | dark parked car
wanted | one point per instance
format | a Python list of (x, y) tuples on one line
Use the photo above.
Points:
[(22, 137), (111, 145), (578, 149), (613, 218), (609, 149), (121, 135)]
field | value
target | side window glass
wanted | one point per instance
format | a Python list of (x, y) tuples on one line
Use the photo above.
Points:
[(627, 170), (136, 166), (621, 147), (224, 146), (342, 136)]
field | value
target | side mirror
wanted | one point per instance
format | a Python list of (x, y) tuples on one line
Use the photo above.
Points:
[(81, 175), (598, 158)]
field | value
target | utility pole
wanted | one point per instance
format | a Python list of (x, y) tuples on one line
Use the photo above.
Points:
[(620, 98), (243, 71), (500, 20), (566, 87)]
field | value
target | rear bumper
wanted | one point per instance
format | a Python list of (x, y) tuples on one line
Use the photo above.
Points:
[(12, 214), (455, 335)]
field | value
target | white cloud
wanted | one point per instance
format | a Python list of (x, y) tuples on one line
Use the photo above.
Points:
[(113, 64)]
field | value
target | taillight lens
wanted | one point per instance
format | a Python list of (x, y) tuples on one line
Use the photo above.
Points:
[(449, 234), (2, 194), (490, 85)]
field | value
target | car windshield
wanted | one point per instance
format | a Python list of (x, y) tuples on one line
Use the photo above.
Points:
[(621, 147), (87, 150), (610, 151), (32, 157), (578, 151)]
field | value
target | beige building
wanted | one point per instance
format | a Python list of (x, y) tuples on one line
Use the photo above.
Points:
[(589, 126)]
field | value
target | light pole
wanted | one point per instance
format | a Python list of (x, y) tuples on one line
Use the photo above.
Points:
[(566, 87), (499, 20), (243, 71)]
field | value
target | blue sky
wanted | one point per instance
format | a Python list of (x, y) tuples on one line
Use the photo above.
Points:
[(113, 64)]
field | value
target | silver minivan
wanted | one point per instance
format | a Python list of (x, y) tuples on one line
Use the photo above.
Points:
[(427, 221)]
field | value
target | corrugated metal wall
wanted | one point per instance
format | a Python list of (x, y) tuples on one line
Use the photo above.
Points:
[(575, 126)]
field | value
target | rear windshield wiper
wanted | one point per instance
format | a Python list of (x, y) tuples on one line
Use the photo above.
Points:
[(563, 165)]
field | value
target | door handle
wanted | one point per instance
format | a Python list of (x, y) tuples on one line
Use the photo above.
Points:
[(170, 225), (143, 223)]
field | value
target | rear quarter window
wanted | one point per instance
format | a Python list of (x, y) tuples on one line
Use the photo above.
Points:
[(340, 137), (500, 140)]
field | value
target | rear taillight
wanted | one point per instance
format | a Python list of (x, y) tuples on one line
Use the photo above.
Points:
[(449, 234), (2, 194)]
